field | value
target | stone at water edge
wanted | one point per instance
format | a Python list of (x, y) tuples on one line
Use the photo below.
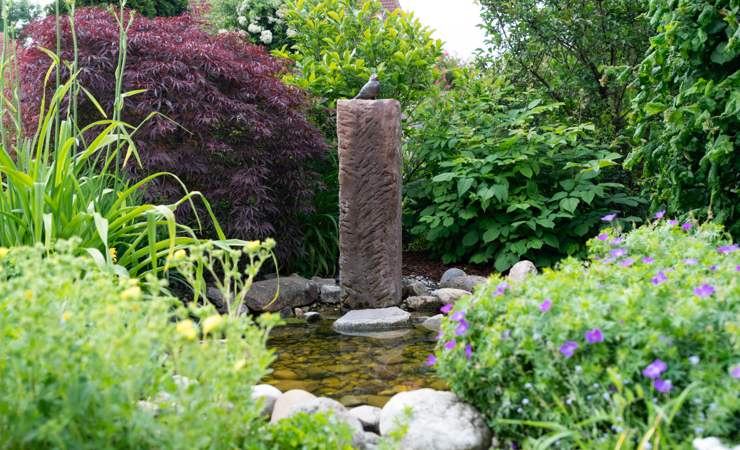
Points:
[(466, 283), (434, 323), (372, 319), (331, 294), (286, 313), (369, 417), (323, 404), (312, 317), (711, 443), (286, 401), (371, 440), (270, 394), (425, 303), (285, 374), (298, 312), (440, 421), (451, 273), (294, 292), (521, 270), (447, 296), (413, 288)]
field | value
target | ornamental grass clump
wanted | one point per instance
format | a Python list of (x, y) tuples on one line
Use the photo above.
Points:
[(638, 344)]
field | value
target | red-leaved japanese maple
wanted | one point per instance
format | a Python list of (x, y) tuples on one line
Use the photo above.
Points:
[(242, 137)]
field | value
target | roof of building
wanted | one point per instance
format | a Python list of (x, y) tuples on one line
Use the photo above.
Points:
[(390, 5)]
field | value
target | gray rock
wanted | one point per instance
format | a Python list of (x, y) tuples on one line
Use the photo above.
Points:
[(440, 421), (324, 281), (217, 300), (370, 179), (521, 270), (298, 312), (270, 276), (369, 417), (285, 402), (447, 296), (323, 404), (371, 440), (269, 394), (465, 282), (413, 288), (312, 317), (294, 292), (711, 443), (451, 273), (417, 318), (372, 319), (286, 313), (427, 303), (331, 294), (434, 323)]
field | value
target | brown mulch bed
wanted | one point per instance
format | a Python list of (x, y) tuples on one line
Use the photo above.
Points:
[(419, 264)]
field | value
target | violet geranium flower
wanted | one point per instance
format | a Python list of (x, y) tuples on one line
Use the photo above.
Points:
[(439, 336), (545, 306), (735, 372), (602, 237), (594, 336), (686, 226), (654, 369), (450, 345), (616, 241), (704, 290), (468, 351), (617, 252), (672, 223), (659, 214), (663, 385), (648, 260), (462, 328), (446, 308), (660, 278), (626, 263), (457, 316), (608, 261), (728, 249), (568, 348), (690, 261), (506, 334), (609, 217), (432, 360)]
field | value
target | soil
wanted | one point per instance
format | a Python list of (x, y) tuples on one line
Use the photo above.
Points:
[(419, 264)]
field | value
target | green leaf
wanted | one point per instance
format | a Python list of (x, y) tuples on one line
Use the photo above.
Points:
[(526, 171), (442, 177), (581, 229), (491, 233), (463, 185), (551, 240), (655, 108), (471, 238), (569, 204)]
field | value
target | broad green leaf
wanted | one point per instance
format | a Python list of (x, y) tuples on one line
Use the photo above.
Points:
[(569, 204)]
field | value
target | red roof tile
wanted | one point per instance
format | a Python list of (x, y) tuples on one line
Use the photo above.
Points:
[(390, 5)]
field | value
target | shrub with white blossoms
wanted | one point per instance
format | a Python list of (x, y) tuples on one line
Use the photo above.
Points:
[(266, 37), (262, 19)]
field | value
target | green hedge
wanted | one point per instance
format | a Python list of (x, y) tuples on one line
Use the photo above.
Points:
[(592, 351)]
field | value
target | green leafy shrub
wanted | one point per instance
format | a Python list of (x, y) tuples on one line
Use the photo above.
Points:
[(310, 432), (686, 110), (494, 181), (646, 335)]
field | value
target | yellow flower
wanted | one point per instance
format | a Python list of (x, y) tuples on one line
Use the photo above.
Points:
[(111, 309), (240, 364), (270, 242), (210, 323), (253, 245), (113, 254), (134, 292), (180, 253), (187, 329), (3, 251), (66, 316), (29, 294), (133, 281)]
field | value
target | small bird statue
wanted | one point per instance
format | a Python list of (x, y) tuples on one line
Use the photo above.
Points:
[(370, 90)]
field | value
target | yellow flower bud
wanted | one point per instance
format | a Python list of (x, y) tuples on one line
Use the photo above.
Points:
[(66, 316), (111, 309), (210, 323), (180, 253), (133, 292), (3, 251), (186, 329), (253, 245), (240, 364)]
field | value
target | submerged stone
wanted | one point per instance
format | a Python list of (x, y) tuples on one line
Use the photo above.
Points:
[(372, 319)]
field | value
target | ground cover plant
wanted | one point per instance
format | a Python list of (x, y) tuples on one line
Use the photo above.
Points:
[(686, 109), (90, 361), (490, 177), (640, 341), (214, 113)]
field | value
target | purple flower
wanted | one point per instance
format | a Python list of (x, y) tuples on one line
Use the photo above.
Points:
[(655, 368), (735, 372), (728, 249), (663, 386), (626, 263), (503, 286), (462, 328), (608, 261), (602, 237), (506, 334), (545, 306), (617, 252), (568, 348), (609, 217), (621, 321), (690, 261), (594, 336), (686, 226), (704, 290), (668, 269), (648, 260), (432, 360), (446, 308), (660, 278), (659, 214), (616, 241), (439, 336), (450, 345), (712, 267), (737, 268), (457, 316), (672, 223), (468, 351)]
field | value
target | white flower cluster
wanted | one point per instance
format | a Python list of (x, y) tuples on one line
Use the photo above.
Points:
[(274, 20), (254, 29), (242, 21), (291, 32), (266, 37), (280, 13)]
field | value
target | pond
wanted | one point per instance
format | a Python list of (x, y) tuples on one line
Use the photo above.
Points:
[(365, 369)]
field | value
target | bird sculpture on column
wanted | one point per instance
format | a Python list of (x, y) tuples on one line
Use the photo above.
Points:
[(371, 89)]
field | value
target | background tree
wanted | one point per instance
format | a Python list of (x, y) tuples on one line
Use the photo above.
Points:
[(262, 21), (563, 48), (20, 14), (147, 8)]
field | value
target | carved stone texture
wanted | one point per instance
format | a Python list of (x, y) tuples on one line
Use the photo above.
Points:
[(369, 202)]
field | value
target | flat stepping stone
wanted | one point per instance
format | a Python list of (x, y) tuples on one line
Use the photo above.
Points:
[(372, 320)]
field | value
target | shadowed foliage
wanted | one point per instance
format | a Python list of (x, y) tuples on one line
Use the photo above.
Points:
[(243, 139)]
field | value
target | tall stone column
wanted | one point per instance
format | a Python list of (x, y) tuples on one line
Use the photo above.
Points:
[(369, 202)]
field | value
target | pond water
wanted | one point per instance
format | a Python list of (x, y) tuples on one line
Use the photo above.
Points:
[(355, 370)]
